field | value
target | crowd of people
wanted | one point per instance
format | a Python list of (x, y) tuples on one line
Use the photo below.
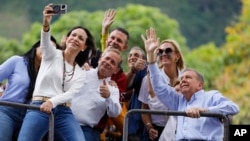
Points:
[(89, 93)]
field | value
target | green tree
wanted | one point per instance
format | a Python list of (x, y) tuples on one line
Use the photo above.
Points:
[(206, 59), (135, 18), (203, 20), (8, 48), (234, 81), (200, 21)]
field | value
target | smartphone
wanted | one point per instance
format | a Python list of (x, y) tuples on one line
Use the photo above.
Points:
[(59, 8)]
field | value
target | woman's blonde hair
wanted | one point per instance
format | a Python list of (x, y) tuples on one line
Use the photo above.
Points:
[(180, 62)]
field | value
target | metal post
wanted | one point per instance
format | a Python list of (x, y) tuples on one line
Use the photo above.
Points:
[(32, 107), (174, 113)]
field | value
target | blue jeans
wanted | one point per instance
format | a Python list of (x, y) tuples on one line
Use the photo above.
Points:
[(11, 119), (36, 125), (135, 123), (90, 133)]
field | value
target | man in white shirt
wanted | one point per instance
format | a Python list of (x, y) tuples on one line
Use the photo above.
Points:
[(97, 95)]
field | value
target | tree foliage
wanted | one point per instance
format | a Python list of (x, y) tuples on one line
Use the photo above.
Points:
[(8, 48), (234, 81), (206, 59), (135, 18), (200, 21)]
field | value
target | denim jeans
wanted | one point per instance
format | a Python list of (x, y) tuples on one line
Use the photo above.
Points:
[(11, 119), (90, 133), (36, 125), (135, 123)]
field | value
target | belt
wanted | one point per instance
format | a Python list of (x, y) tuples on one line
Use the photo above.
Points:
[(40, 98), (43, 98)]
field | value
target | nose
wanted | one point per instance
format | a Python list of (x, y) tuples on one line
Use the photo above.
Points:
[(75, 38), (108, 62), (183, 80), (114, 42)]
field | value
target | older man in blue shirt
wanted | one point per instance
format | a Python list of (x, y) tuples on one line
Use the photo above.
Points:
[(193, 100)]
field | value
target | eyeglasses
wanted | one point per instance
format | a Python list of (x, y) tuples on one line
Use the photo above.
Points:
[(167, 51)]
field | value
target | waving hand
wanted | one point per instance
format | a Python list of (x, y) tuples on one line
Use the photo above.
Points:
[(151, 43)]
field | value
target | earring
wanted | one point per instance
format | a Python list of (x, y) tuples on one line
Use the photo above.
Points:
[(84, 48)]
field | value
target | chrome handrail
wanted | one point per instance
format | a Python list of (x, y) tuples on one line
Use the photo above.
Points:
[(174, 113)]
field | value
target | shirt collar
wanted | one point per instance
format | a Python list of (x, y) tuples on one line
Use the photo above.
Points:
[(198, 95)]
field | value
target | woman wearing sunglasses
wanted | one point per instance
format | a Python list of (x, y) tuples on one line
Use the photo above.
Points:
[(171, 62), (170, 59)]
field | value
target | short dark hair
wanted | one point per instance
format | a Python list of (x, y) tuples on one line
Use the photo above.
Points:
[(123, 30)]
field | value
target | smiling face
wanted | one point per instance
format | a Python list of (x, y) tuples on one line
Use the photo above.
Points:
[(77, 39), (190, 83), (167, 54), (109, 63), (118, 40), (133, 56)]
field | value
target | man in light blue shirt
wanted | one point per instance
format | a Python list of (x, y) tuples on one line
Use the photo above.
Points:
[(193, 100)]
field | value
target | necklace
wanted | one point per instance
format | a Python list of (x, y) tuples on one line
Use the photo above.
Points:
[(67, 73)]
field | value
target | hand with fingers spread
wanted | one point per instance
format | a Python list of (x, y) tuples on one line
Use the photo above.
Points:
[(108, 20), (104, 90), (151, 43), (106, 23)]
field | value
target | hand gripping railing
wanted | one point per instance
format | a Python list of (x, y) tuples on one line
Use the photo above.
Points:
[(27, 106), (174, 113)]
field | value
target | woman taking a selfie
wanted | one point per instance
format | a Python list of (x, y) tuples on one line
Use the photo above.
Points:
[(60, 77)]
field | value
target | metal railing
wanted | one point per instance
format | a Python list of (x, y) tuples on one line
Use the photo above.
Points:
[(32, 107), (174, 113)]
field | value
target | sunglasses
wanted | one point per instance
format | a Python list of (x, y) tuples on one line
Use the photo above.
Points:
[(167, 51)]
